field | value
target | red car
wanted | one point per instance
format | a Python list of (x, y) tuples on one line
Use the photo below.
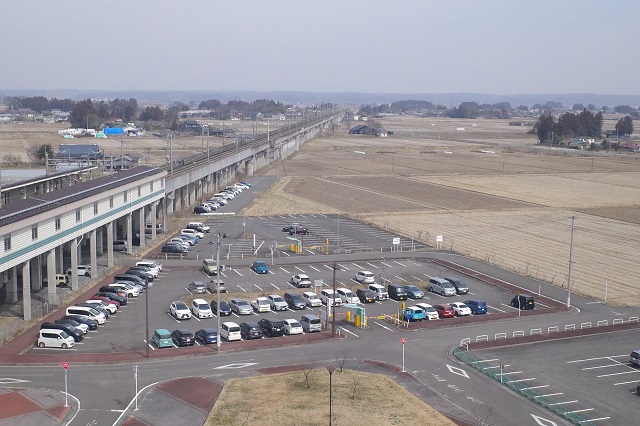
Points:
[(445, 311), (106, 299)]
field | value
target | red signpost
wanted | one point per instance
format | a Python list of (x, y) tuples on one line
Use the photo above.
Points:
[(65, 365), (403, 340)]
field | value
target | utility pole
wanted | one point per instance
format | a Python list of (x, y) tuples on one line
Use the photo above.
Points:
[(146, 304), (573, 218), (218, 290), (333, 303)]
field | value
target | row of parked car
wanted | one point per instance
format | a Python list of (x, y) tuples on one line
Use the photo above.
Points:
[(80, 318), (231, 331), (221, 198), (187, 238)]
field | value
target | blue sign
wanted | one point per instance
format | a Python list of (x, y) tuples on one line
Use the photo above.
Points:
[(113, 131)]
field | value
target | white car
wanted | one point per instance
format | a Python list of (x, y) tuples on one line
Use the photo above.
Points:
[(277, 303), (179, 310), (430, 312), (365, 277), (328, 295), (301, 280), (188, 231), (292, 326), (157, 267), (112, 308), (201, 309), (261, 304), (130, 290), (461, 309), (347, 296), (312, 299)]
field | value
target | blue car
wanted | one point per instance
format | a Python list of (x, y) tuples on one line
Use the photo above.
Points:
[(476, 306), (162, 338), (206, 336), (413, 291), (259, 267)]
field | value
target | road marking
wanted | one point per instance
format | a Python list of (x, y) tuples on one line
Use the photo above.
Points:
[(272, 285), (285, 253), (426, 275), (342, 267), (604, 366), (535, 387), (581, 411), (497, 309), (564, 402), (11, 381), (386, 264), (549, 394), (542, 421), (383, 326), (400, 278), (241, 288), (372, 265), (314, 268), (401, 264), (625, 383), (237, 272), (347, 331), (596, 359), (457, 370), (595, 420), (236, 365), (618, 374), (509, 372), (328, 267), (485, 360), (357, 266), (521, 380), (256, 285), (285, 271)]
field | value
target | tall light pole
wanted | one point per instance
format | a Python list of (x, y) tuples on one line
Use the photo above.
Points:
[(573, 219), (333, 304), (146, 306), (331, 369), (218, 290)]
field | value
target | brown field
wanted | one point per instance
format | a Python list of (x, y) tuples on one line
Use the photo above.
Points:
[(508, 204), (378, 400)]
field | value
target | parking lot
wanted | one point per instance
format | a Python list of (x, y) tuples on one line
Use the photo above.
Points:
[(125, 330), (589, 376)]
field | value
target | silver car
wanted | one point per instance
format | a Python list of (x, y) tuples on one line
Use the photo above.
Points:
[(240, 307)]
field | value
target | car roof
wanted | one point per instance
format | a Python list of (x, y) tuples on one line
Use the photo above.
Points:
[(208, 330), (365, 272), (230, 324), (291, 320), (309, 293), (162, 331), (303, 276), (251, 324), (200, 301), (275, 295), (344, 289)]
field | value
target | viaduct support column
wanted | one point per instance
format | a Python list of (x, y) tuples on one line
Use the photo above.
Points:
[(110, 244), (36, 272), (154, 222), (100, 241), (93, 255), (51, 277), (13, 285), (142, 228), (26, 290), (74, 264)]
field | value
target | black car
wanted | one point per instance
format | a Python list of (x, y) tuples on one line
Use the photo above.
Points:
[(173, 248), (120, 292), (136, 280), (206, 336), (251, 330), (365, 295), (140, 274), (294, 300), (182, 338), (77, 335), (523, 301), (70, 321), (200, 210), (225, 309), (301, 230), (272, 327), (461, 286), (111, 295), (92, 324)]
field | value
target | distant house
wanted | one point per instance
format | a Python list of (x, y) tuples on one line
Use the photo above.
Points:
[(358, 130), (78, 152), (629, 147), (125, 163), (362, 129), (190, 126), (581, 143)]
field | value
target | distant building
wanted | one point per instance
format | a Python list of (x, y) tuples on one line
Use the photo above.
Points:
[(190, 126), (78, 152)]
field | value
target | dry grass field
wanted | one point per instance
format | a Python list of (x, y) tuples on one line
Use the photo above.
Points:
[(491, 195), (358, 399)]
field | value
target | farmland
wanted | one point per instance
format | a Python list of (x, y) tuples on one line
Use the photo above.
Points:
[(491, 194)]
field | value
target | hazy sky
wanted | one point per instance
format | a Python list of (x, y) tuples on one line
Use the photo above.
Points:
[(401, 46)]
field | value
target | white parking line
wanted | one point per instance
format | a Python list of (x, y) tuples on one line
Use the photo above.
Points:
[(564, 402), (595, 359), (618, 374), (357, 266), (328, 267), (400, 278), (484, 360), (299, 269), (347, 331), (401, 264), (581, 411), (258, 287), (285, 253), (549, 394), (274, 286), (604, 366), (426, 275), (223, 274), (521, 380), (242, 289), (372, 265), (625, 383), (497, 309), (285, 271), (595, 420), (535, 387), (509, 372), (342, 267), (237, 272), (314, 268), (415, 278)]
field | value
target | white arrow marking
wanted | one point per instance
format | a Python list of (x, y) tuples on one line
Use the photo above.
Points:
[(10, 381), (238, 365), (542, 421)]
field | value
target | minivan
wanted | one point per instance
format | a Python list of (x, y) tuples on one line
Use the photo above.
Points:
[(210, 267), (149, 228), (441, 286), (365, 295), (150, 264), (397, 292), (379, 291), (86, 312), (54, 338), (83, 270), (120, 245), (310, 323), (230, 331), (199, 226), (523, 301), (129, 277), (294, 300), (461, 286), (634, 357)]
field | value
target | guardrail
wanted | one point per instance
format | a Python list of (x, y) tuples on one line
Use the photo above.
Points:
[(496, 373), (552, 329)]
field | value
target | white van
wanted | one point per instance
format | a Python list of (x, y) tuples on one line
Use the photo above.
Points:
[(224, 195), (230, 331), (83, 270), (129, 289), (150, 264), (310, 323), (210, 267), (193, 232), (86, 312), (54, 338), (205, 228), (149, 228), (379, 291)]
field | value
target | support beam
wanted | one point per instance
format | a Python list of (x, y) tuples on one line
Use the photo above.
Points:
[(26, 291)]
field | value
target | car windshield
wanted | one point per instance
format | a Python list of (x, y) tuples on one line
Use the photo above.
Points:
[(203, 306), (241, 302), (411, 288), (447, 285), (164, 335), (180, 305), (277, 299), (263, 302), (312, 296), (294, 324)]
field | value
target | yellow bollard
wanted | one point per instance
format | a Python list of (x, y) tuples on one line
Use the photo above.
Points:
[(347, 315), (357, 320)]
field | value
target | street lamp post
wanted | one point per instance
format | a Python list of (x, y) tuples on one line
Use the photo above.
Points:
[(333, 304), (330, 369), (218, 291)]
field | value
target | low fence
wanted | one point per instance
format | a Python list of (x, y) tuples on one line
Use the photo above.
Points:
[(521, 388), (464, 343)]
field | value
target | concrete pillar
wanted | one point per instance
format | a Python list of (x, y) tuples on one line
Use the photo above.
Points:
[(100, 241), (51, 276), (168, 201), (153, 219), (74, 264), (36, 273), (110, 244), (177, 199), (129, 230), (58, 257), (12, 294), (93, 254), (142, 227), (26, 290)]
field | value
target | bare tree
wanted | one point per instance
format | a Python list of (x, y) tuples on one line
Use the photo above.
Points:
[(342, 361), (355, 381), (307, 371)]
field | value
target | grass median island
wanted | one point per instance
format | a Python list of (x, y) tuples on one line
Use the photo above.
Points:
[(286, 399)]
